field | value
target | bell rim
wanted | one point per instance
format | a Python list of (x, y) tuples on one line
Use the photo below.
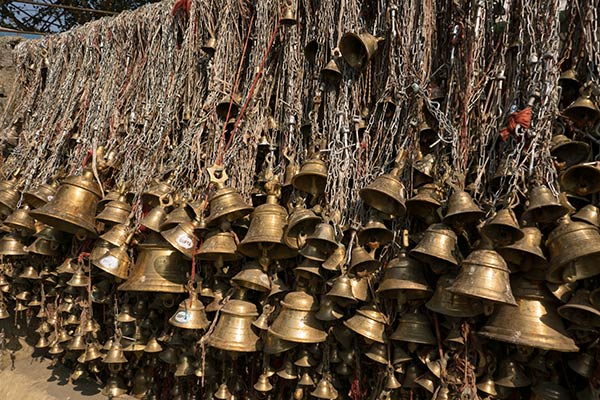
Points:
[(65, 223)]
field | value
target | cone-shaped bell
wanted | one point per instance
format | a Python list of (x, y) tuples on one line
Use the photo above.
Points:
[(265, 235), (526, 254), (91, 353), (404, 276), (511, 374), (39, 196), (357, 49), (425, 203), (159, 193), (42, 343), (328, 310), (182, 237), (158, 268), (323, 238), (153, 346), (180, 215), (117, 235), (79, 279), (154, 219), (55, 349), (582, 111), (453, 305), (484, 275), (574, 251), (233, 331), (223, 393), (29, 272), (582, 179), (301, 222), (437, 248), (21, 220), (115, 262), (219, 247), (362, 262), (306, 380), (73, 208), (3, 311), (11, 245), (253, 277), (341, 291), (584, 364), (368, 322), (114, 387), (375, 233), (331, 74), (190, 315), (115, 355), (312, 177), (534, 323), (44, 247), (310, 252), (226, 204), (115, 212), (414, 328), (487, 385), (324, 390), (542, 206), (378, 353), (462, 210), (503, 229), (589, 214), (385, 194), (263, 385), (579, 310), (569, 152), (296, 322)]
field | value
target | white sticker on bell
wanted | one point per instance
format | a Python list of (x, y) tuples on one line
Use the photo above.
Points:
[(50, 197), (183, 317), (184, 242), (109, 262)]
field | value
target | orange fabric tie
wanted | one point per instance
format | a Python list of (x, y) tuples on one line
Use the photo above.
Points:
[(522, 118)]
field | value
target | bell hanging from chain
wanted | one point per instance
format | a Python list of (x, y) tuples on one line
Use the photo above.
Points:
[(453, 305), (341, 292), (583, 111), (568, 152), (296, 322), (158, 268), (253, 277), (115, 212), (403, 277), (328, 310), (369, 323), (362, 262), (358, 49), (301, 222), (117, 235), (534, 322), (525, 254), (39, 196), (414, 328), (190, 315), (116, 261), (234, 330), (181, 213), (375, 234), (331, 74), (582, 179), (426, 203), (386, 193), (574, 251), (73, 208), (219, 247), (183, 237), (21, 221), (312, 177), (437, 248), (542, 206), (225, 203), (589, 214), (325, 390), (323, 238), (503, 229), (263, 385), (11, 245), (154, 219), (115, 355), (9, 196), (462, 210)]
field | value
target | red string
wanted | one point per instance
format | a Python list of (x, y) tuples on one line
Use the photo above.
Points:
[(184, 5), (522, 118), (87, 158)]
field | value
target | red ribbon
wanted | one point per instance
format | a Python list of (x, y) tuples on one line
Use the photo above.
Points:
[(522, 118)]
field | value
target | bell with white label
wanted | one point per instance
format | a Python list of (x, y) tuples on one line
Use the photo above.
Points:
[(190, 315), (116, 261), (182, 237)]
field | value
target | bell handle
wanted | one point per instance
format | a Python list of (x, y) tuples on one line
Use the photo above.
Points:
[(217, 175), (165, 200)]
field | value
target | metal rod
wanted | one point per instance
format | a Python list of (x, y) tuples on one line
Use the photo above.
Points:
[(3, 29), (73, 8)]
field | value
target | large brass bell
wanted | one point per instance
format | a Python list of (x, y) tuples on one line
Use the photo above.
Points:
[(225, 203), (484, 275), (296, 322), (503, 229), (39, 196), (73, 208), (462, 210), (534, 323), (453, 305), (568, 152), (312, 177), (158, 268), (234, 330), (425, 203), (437, 247), (219, 247), (403, 278), (589, 214), (386, 194), (574, 251), (115, 212), (331, 74), (190, 315), (357, 49), (414, 328), (542, 206), (368, 322), (582, 179)]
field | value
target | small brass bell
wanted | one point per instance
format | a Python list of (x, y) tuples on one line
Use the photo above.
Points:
[(114, 387), (534, 323), (584, 364), (358, 49), (296, 322), (487, 385), (378, 353), (39, 196), (323, 238), (325, 390), (403, 276), (56, 349), (253, 277), (582, 111), (233, 331), (368, 322), (301, 222), (309, 252), (414, 328), (453, 305), (180, 215), (115, 355), (570, 86), (91, 353), (484, 275), (73, 208), (425, 203), (582, 179), (589, 214), (427, 382), (117, 235), (126, 314), (503, 229), (184, 366), (306, 380), (574, 248), (153, 346), (29, 273), (341, 292), (305, 359), (116, 261), (11, 245), (20, 220), (511, 374), (79, 279), (437, 248), (169, 356), (331, 74), (219, 247), (462, 210), (542, 206), (328, 310), (362, 262), (44, 247), (312, 177), (4, 314), (375, 233), (154, 219), (182, 237), (288, 371), (569, 152), (225, 203), (263, 385), (190, 315), (115, 212), (550, 391), (526, 254), (386, 194), (42, 343), (579, 310), (79, 372)]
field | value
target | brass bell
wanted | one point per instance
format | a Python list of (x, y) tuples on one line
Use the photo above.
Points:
[(427, 382), (253, 277), (375, 234), (233, 331), (73, 208), (583, 110), (308, 269), (423, 169), (503, 229), (584, 364), (42, 343), (154, 219), (425, 203), (115, 212), (331, 74), (141, 383), (437, 248), (309, 252), (91, 353), (296, 322), (323, 238), (312, 177), (263, 385), (20, 220), (168, 356), (550, 391), (362, 262), (570, 85), (386, 194), (79, 279), (453, 305), (403, 276), (116, 261), (581, 179), (11, 245), (526, 254), (219, 247), (184, 366), (29, 272), (39, 196), (275, 345), (225, 203), (511, 374), (306, 380), (182, 237), (117, 235), (223, 393), (542, 206), (4, 311), (534, 323), (158, 268), (369, 323), (115, 355), (580, 310), (574, 248), (569, 152), (589, 214), (412, 372), (56, 349), (378, 353), (180, 215), (9, 196), (114, 387), (153, 346), (328, 310), (484, 275), (358, 49), (487, 385), (341, 292), (79, 372), (126, 314), (325, 390), (44, 247), (158, 193), (462, 210), (335, 261), (414, 328), (190, 315), (301, 222)]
